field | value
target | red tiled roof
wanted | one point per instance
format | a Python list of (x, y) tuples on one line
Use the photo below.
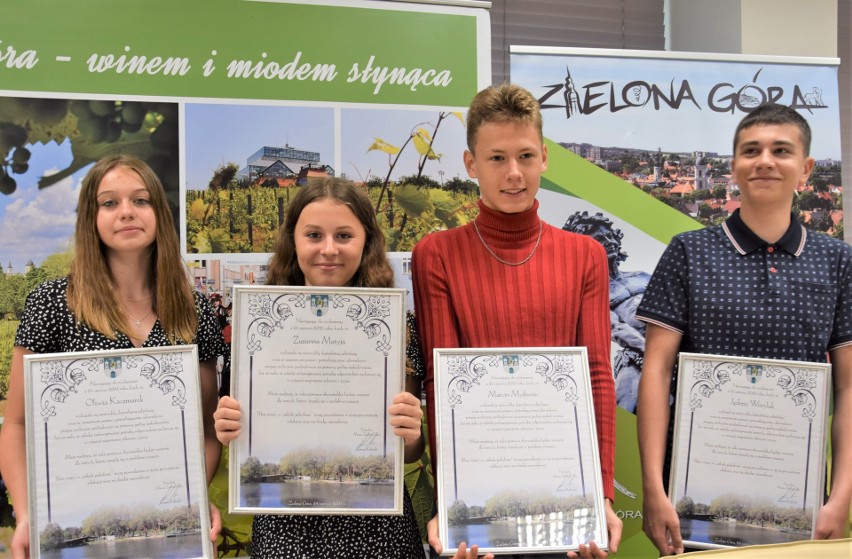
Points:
[(731, 205), (683, 188)]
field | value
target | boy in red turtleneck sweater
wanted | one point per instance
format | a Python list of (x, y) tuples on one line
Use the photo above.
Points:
[(510, 280)]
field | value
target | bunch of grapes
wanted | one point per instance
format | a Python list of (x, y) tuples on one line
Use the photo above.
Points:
[(25, 111), (104, 121), (15, 156), (98, 121)]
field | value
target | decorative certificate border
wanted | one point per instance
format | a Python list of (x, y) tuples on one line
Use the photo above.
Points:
[(518, 463), (748, 458), (314, 369), (115, 452)]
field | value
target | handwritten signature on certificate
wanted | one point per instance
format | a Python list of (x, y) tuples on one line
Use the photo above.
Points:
[(369, 440), (170, 492)]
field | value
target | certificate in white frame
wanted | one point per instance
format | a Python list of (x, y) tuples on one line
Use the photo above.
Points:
[(115, 453), (314, 370), (518, 462), (749, 449)]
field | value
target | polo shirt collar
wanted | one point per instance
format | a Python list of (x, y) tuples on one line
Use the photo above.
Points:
[(746, 241)]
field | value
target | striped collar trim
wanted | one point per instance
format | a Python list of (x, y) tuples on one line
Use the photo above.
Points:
[(745, 241)]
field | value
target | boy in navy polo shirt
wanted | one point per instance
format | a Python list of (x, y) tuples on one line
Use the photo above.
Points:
[(758, 285)]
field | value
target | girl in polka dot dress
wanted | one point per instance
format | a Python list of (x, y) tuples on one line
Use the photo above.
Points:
[(127, 288), (331, 238)]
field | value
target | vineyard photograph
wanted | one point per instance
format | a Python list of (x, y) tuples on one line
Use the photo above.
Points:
[(239, 183)]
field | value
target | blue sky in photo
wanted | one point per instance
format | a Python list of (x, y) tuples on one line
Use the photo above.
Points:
[(361, 127), (36, 223), (221, 134)]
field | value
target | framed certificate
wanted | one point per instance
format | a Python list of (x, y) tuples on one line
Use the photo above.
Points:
[(748, 459), (518, 464), (115, 454), (314, 370)]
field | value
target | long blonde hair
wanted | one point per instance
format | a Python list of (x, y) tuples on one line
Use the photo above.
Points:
[(90, 284)]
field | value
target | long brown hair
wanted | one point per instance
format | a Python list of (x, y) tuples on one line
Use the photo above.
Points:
[(374, 271), (90, 284)]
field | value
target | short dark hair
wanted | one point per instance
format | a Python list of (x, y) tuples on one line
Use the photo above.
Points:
[(770, 114), (503, 103)]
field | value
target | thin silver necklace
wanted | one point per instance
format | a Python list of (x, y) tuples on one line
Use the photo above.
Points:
[(497, 258), (138, 321)]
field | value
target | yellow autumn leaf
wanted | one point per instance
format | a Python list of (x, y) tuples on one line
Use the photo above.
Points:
[(381, 145), (425, 134), (421, 143)]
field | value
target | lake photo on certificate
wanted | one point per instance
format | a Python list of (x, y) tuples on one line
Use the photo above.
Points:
[(512, 519), (749, 446), (318, 479), (162, 547), (738, 520), (732, 534), (126, 532)]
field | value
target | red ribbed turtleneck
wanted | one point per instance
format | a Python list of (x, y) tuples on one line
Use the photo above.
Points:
[(508, 232), (464, 297)]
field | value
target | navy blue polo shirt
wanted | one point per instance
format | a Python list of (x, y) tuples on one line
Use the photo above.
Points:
[(731, 293)]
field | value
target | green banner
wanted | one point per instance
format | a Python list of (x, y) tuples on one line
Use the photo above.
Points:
[(235, 48), (365, 90)]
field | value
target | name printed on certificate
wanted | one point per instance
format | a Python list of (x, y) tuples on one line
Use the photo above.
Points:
[(517, 450), (748, 459), (115, 454), (315, 370)]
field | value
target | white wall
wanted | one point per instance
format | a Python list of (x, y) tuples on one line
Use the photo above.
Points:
[(703, 26), (776, 27), (789, 27)]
